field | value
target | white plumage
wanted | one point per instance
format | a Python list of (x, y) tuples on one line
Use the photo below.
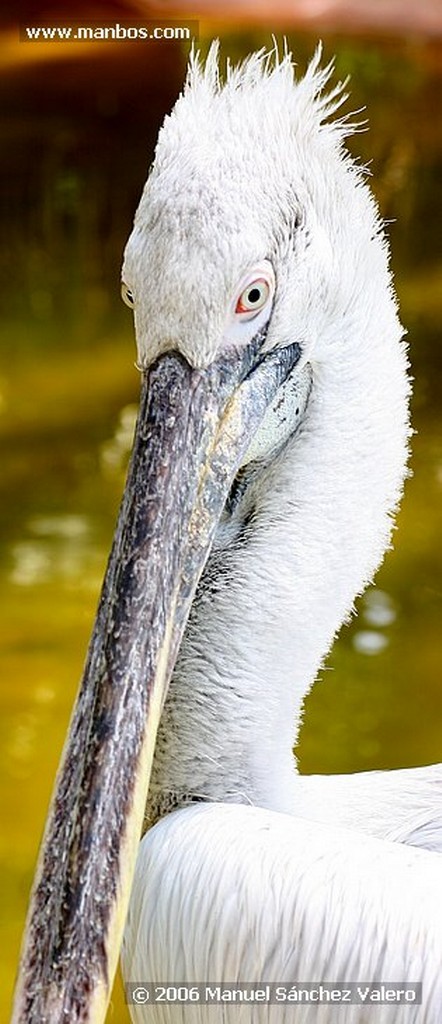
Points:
[(223, 893), (246, 172)]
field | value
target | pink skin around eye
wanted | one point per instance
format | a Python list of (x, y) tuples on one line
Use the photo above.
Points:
[(240, 308)]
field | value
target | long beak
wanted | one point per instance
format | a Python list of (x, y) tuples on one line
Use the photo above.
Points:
[(193, 429)]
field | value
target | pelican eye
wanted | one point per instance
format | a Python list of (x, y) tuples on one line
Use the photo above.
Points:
[(127, 295), (253, 298)]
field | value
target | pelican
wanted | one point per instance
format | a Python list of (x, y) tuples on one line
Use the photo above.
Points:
[(269, 458)]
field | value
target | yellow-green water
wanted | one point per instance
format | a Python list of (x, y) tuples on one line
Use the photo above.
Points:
[(68, 388)]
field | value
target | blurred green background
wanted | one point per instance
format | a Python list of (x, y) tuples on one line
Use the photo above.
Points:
[(78, 131)]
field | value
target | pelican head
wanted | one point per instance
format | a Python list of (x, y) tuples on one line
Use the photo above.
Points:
[(269, 455)]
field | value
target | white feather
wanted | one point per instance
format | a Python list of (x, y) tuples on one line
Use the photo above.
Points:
[(234, 895)]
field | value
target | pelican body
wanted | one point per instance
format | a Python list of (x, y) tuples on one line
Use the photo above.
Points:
[(268, 461)]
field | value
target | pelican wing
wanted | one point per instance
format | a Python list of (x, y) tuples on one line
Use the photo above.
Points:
[(233, 894), (404, 806)]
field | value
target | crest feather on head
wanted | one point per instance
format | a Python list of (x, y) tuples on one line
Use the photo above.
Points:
[(274, 75)]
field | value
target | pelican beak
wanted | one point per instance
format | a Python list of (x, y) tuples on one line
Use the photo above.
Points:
[(192, 431)]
